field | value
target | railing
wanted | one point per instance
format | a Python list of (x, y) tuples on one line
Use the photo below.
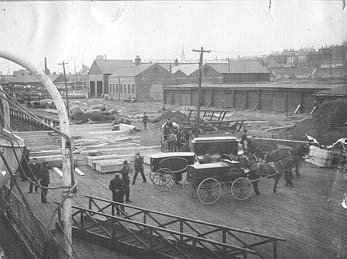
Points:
[(215, 240), (18, 114), (31, 231)]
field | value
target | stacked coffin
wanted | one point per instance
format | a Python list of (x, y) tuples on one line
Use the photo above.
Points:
[(320, 157)]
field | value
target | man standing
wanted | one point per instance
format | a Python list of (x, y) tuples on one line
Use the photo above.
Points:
[(126, 180), (139, 168), (34, 172), (145, 120), (44, 182), (117, 188), (24, 165)]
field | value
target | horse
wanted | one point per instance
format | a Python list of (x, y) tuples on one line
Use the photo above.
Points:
[(271, 170), (297, 153)]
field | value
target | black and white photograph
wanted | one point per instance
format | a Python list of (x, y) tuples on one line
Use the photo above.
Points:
[(173, 129)]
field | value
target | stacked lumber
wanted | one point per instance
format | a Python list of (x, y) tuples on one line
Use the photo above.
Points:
[(320, 157)]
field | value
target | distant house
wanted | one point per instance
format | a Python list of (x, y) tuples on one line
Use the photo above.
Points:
[(99, 73), (26, 78), (235, 71), (143, 81)]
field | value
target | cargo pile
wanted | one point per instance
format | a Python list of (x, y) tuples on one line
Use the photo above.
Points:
[(322, 125), (175, 116)]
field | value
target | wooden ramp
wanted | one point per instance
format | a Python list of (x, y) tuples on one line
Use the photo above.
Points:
[(161, 235)]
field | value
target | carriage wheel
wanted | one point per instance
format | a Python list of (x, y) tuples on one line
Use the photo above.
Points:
[(161, 179), (241, 188), (209, 191)]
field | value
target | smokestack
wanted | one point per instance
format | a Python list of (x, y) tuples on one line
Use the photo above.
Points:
[(46, 68)]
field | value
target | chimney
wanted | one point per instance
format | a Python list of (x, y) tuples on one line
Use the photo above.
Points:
[(137, 61), (46, 67), (176, 62)]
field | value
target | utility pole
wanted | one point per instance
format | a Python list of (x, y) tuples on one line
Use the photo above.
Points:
[(66, 91), (201, 51)]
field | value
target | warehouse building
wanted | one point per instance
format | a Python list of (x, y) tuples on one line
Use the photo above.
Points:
[(143, 81), (291, 98)]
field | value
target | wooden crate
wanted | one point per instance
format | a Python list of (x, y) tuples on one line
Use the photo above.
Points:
[(321, 162), (108, 166), (320, 153)]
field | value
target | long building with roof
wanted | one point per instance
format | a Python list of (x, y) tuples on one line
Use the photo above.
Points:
[(277, 97)]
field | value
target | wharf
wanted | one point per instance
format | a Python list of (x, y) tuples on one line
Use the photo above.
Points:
[(309, 216)]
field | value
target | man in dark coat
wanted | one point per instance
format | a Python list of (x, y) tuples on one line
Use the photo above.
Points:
[(44, 182), (145, 120), (117, 188), (126, 180), (24, 165), (139, 168), (34, 174)]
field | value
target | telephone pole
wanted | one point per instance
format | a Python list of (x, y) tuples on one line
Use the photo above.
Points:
[(201, 51), (66, 90)]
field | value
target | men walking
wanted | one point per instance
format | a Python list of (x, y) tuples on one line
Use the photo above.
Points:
[(44, 182), (117, 188), (126, 180), (139, 168), (34, 172), (145, 120)]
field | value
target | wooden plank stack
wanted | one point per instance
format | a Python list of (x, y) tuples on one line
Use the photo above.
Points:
[(319, 157)]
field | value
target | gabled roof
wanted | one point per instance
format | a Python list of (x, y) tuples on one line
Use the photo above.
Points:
[(239, 67), (30, 78), (187, 69), (109, 66), (134, 70), (335, 91)]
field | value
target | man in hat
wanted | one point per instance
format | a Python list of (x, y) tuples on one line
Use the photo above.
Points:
[(126, 180), (117, 188), (139, 168), (34, 172), (44, 182)]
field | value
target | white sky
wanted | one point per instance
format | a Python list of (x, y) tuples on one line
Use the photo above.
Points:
[(72, 31)]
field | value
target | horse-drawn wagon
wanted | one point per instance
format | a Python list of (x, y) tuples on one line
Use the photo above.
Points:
[(208, 180)]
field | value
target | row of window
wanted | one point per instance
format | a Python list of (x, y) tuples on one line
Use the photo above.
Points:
[(114, 88)]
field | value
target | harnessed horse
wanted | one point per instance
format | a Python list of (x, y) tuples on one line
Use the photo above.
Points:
[(274, 170)]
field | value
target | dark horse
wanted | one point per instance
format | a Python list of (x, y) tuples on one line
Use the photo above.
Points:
[(271, 170), (297, 153)]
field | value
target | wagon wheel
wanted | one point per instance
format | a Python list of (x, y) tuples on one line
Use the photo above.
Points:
[(209, 191), (241, 188), (161, 179)]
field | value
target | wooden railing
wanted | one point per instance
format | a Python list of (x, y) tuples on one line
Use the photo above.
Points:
[(189, 238), (45, 120)]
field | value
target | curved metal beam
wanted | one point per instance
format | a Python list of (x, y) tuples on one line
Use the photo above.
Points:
[(64, 127)]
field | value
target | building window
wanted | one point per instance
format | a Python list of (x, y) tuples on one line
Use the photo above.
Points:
[(117, 88), (125, 89), (128, 89), (133, 89), (121, 88), (114, 88)]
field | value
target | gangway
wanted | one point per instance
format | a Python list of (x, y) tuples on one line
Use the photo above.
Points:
[(151, 234)]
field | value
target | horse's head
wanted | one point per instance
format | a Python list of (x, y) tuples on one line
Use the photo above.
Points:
[(301, 150)]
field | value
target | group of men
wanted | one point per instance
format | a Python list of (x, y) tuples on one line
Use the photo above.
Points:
[(37, 174), (120, 185)]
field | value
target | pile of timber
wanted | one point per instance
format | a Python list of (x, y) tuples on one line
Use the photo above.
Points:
[(320, 157)]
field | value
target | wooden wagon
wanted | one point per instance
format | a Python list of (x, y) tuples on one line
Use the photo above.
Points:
[(167, 168), (210, 179)]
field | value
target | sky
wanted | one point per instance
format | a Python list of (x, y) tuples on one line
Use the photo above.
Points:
[(77, 31)]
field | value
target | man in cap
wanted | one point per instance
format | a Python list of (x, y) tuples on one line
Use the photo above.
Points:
[(126, 180), (34, 172), (139, 168), (117, 188), (44, 182)]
